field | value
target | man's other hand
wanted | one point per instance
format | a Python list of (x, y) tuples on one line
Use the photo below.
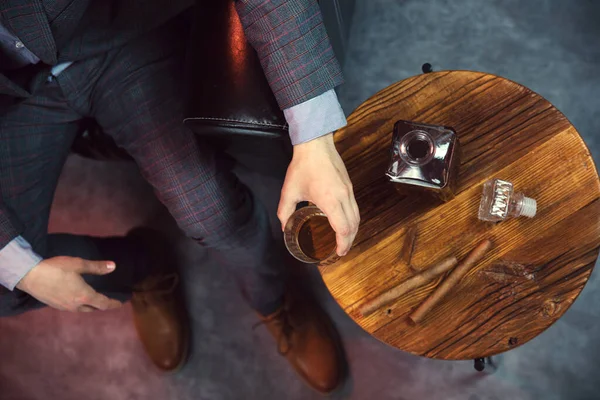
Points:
[(57, 282)]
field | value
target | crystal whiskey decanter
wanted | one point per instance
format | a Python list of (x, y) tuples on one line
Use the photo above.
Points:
[(425, 157)]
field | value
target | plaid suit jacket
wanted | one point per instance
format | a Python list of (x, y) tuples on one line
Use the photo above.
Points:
[(288, 35)]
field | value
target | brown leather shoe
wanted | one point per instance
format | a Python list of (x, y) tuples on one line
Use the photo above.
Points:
[(306, 337), (159, 311)]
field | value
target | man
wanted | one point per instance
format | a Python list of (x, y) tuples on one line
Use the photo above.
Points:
[(119, 63)]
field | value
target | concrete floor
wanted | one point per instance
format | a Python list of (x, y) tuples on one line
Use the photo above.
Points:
[(551, 46)]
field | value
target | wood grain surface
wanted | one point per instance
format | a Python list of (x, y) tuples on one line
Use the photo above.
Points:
[(537, 267)]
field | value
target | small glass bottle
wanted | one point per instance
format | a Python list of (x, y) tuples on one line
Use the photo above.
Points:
[(500, 202)]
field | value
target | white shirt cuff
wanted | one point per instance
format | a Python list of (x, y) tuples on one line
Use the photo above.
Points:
[(315, 117), (17, 258)]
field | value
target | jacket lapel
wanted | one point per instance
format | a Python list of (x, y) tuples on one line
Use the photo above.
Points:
[(28, 20)]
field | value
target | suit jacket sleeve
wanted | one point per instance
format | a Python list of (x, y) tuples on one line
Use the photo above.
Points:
[(10, 228), (293, 47)]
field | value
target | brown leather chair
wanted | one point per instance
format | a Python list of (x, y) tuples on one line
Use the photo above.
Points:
[(229, 93)]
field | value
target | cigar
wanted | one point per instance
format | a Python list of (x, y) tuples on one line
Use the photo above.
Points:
[(412, 283), (409, 245), (455, 276)]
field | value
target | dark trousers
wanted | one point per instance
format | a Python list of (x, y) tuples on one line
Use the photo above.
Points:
[(135, 94)]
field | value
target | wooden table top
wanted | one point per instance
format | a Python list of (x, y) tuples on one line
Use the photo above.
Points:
[(537, 267)]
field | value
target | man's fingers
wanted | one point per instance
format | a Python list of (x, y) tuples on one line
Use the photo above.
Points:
[(341, 225), (353, 220), (86, 309), (95, 267), (89, 300), (101, 302), (355, 210), (287, 206)]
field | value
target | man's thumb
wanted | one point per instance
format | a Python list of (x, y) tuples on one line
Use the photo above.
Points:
[(285, 210), (97, 267)]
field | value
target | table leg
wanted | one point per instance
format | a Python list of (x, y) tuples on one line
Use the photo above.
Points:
[(426, 68), (480, 364)]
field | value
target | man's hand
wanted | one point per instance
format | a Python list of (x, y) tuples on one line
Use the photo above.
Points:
[(57, 282), (318, 174)]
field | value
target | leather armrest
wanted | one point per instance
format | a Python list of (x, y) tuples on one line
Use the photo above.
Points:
[(228, 93)]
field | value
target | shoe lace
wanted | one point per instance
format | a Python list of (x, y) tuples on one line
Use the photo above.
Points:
[(281, 319), (160, 285)]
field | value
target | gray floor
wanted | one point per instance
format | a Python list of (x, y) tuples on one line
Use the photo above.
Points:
[(551, 46)]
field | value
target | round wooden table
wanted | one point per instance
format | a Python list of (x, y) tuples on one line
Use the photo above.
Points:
[(537, 267)]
